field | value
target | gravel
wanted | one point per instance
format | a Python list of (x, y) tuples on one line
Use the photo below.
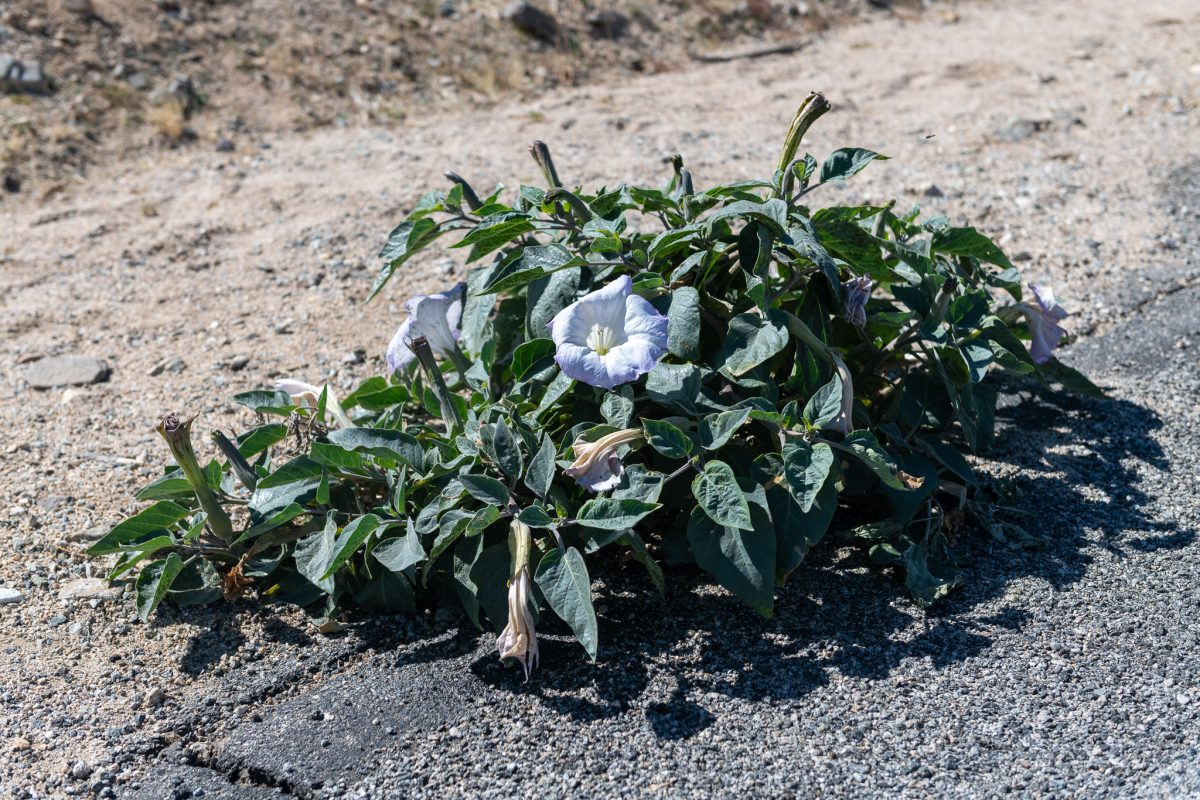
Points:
[(1066, 671)]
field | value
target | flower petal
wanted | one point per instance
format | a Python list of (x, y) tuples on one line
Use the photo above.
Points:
[(399, 355), (584, 364), (635, 357), (299, 390), (644, 319), (606, 306)]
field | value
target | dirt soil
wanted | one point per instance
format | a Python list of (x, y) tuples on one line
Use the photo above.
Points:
[(128, 77), (1069, 132)]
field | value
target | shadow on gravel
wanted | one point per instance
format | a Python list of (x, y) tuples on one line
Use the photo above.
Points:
[(839, 616)]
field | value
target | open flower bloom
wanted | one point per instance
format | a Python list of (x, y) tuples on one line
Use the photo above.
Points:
[(597, 466), (1043, 316), (855, 293), (300, 392), (436, 317), (519, 639), (609, 337)]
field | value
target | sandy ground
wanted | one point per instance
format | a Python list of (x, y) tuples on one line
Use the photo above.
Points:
[(1069, 132)]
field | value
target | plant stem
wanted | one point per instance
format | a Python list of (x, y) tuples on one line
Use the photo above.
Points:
[(178, 435)]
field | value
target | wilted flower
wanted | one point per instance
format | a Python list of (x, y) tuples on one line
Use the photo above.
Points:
[(597, 465), (855, 293), (300, 391), (1044, 316), (609, 337), (519, 639), (437, 318)]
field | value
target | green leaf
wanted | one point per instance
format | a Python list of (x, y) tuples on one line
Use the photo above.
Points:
[(610, 514), (349, 541), (405, 240), (265, 402), (381, 443), (547, 296), (717, 429), (388, 592), (639, 483), (683, 322), (825, 404), (773, 212), (315, 552), (617, 408), (508, 451), (637, 549), (541, 468), (564, 581), (172, 486), (536, 517), (153, 583), (969, 242), (197, 584), (717, 492), (485, 489), (147, 523), (535, 261), (532, 357), (866, 448), (490, 573), (276, 520), (667, 439), (741, 559), (750, 341), (466, 554), (336, 456), (796, 532), (495, 231), (297, 470), (846, 162), (806, 467), (402, 552), (1070, 378), (259, 439), (674, 386)]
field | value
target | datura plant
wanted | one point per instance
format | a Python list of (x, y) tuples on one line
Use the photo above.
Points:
[(716, 377)]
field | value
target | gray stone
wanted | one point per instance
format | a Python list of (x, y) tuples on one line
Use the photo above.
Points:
[(534, 21), (48, 373), (88, 588), (608, 24), (9, 596)]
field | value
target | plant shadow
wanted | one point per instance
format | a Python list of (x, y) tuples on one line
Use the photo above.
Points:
[(1078, 486)]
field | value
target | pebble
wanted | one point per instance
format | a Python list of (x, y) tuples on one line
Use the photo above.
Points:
[(9, 596), (225, 145), (87, 588), (532, 20), (48, 373), (56, 620)]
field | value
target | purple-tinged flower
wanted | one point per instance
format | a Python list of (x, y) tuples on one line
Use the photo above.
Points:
[(855, 293), (609, 337), (519, 638), (436, 317), (300, 392), (1043, 317), (597, 466)]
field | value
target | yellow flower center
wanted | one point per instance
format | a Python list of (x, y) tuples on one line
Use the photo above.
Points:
[(601, 339)]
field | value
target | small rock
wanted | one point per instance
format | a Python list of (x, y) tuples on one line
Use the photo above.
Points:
[(225, 145), (87, 588), (72, 394), (8, 596), (156, 697), (239, 363), (532, 20), (52, 502), (19, 745), (138, 81), (48, 373), (83, 8), (173, 364), (12, 184), (81, 770), (608, 24), (18, 76), (932, 190), (86, 536), (56, 620)]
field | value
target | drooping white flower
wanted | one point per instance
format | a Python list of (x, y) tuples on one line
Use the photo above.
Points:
[(609, 337), (518, 640), (597, 466), (302, 392), (1043, 316), (434, 316), (855, 293)]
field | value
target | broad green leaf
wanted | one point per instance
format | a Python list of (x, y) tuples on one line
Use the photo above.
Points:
[(172, 486), (276, 520), (717, 492), (508, 450), (541, 468), (535, 261), (563, 579), (773, 212), (532, 356), (197, 584), (388, 592), (381, 443), (667, 439), (741, 559), (617, 408), (146, 524), (315, 552), (866, 448), (405, 240), (611, 514), (485, 489), (682, 307), (349, 541), (495, 231), (536, 517), (490, 573), (717, 429), (401, 552), (153, 583), (825, 404), (969, 242), (639, 483), (751, 340), (265, 402), (806, 467), (549, 295), (846, 162)]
